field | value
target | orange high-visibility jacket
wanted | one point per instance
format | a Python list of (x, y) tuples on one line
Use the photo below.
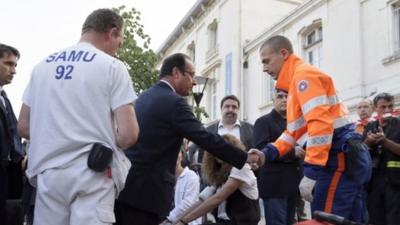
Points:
[(313, 110)]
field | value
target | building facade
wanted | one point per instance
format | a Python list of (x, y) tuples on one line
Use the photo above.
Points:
[(214, 33), (357, 42)]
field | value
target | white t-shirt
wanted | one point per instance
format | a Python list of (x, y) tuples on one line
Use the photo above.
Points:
[(71, 95), (248, 188), (249, 185)]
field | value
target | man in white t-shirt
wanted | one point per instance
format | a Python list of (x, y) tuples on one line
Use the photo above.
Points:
[(76, 97)]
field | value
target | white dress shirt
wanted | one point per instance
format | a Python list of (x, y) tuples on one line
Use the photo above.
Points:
[(1, 97), (235, 131)]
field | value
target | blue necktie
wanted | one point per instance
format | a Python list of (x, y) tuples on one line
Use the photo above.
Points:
[(12, 126)]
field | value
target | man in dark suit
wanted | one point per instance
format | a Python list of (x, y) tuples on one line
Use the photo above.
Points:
[(278, 180), (229, 124), (165, 118), (11, 152)]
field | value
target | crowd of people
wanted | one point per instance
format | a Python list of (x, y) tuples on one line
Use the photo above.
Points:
[(100, 154)]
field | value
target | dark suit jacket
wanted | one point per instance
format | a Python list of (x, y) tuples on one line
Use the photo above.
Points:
[(4, 149), (11, 174), (165, 119), (279, 178), (246, 137)]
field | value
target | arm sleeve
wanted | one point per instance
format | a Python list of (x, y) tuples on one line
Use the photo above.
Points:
[(245, 174), (317, 112), (122, 91), (27, 96)]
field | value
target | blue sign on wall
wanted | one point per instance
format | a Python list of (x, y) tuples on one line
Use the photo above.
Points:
[(228, 74)]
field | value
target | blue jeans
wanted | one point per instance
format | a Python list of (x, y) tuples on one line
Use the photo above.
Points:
[(279, 211)]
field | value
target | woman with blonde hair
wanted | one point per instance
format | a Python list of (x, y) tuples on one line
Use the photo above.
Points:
[(226, 183)]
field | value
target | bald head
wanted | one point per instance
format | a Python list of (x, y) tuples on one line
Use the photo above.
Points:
[(277, 43), (273, 53), (364, 109)]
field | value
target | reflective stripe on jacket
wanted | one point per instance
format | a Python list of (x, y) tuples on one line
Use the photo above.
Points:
[(313, 110)]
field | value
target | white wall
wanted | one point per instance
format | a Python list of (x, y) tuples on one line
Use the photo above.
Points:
[(356, 39), (237, 21)]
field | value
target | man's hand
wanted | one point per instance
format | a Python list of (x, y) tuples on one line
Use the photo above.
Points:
[(375, 138), (255, 158), (299, 152), (306, 188)]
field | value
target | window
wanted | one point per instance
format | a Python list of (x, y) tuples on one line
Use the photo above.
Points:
[(228, 74), (213, 104), (268, 88), (394, 31), (212, 35), (191, 51), (396, 27), (313, 44)]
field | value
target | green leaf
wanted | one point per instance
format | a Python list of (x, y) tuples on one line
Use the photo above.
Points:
[(135, 53)]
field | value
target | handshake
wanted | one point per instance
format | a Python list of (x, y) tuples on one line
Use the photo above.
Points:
[(255, 158)]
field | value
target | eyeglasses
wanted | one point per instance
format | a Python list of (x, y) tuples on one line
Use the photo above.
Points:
[(192, 74), (281, 96)]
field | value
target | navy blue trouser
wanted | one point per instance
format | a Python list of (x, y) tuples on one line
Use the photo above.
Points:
[(280, 211)]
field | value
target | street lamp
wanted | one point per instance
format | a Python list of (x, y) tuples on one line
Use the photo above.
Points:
[(198, 91), (201, 83)]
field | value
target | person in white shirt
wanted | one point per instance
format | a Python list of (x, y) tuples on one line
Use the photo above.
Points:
[(77, 97), (237, 186), (187, 191)]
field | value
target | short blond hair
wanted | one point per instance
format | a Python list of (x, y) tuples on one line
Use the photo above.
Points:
[(277, 43)]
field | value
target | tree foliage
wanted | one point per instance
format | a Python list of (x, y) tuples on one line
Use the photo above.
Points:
[(135, 52)]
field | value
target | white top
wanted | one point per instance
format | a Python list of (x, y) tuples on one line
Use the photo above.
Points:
[(71, 95), (1, 97), (235, 131), (187, 190), (248, 187)]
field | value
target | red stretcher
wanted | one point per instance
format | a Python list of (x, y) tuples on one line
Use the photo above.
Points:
[(323, 218)]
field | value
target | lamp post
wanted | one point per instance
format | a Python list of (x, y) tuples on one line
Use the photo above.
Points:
[(198, 92)]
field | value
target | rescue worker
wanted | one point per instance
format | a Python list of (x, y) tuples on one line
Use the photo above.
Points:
[(364, 111), (383, 138), (337, 163)]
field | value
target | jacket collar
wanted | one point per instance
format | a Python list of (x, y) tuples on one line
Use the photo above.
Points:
[(286, 74), (276, 115), (167, 83)]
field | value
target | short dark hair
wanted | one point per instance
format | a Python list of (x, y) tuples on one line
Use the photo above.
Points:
[(102, 20), (6, 49), (175, 60), (277, 43), (385, 96), (231, 97)]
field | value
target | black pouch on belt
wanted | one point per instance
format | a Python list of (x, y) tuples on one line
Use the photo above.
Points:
[(100, 157)]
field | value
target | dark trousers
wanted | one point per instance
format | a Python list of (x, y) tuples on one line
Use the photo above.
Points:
[(128, 215), (383, 202), (280, 211), (3, 193), (10, 194)]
